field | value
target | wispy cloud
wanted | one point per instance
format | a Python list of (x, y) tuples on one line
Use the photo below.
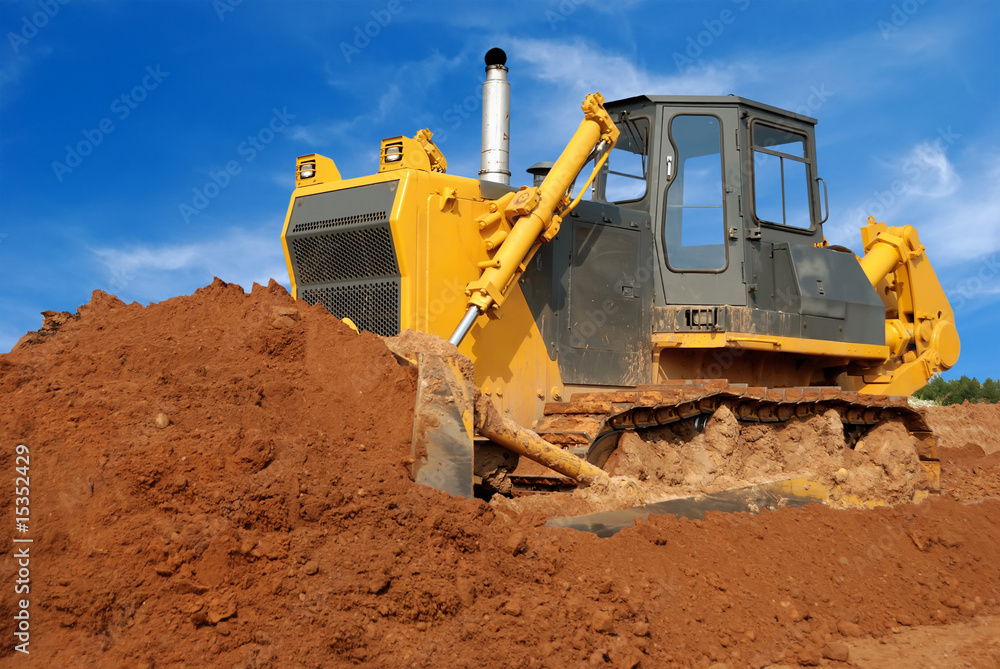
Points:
[(321, 133), (579, 66), (962, 226), (952, 201), (933, 174), (152, 272)]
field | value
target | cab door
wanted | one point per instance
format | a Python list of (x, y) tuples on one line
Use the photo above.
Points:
[(697, 227)]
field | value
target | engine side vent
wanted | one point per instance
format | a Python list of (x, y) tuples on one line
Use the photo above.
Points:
[(701, 319)]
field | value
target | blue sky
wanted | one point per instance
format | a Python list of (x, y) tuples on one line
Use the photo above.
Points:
[(193, 112)]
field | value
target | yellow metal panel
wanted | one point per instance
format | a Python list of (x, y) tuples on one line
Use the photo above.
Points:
[(920, 323), (439, 246), (756, 342), (284, 246)]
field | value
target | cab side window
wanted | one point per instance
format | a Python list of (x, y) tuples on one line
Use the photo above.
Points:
[(780, 177)]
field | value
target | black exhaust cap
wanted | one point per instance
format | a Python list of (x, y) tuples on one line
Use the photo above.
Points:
[(496, 56)]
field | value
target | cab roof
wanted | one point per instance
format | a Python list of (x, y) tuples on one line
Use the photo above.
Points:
[(705, 101)]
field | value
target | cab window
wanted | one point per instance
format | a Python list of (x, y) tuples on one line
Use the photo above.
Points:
[(694, 229), (780, 177), (625, 169)]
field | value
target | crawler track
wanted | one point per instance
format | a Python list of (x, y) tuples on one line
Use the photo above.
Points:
[(590, 424)]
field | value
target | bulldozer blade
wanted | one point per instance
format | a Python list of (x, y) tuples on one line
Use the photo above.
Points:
[(794, 493), (443, 427)]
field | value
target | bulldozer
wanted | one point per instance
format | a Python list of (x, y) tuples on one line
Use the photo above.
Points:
[(671, 261)]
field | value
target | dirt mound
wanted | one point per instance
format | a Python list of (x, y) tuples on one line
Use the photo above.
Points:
[(969, 474), (51, 322), (958, 425), (220, 480)]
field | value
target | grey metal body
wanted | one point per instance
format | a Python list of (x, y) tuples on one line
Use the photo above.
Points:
[(606, 283)]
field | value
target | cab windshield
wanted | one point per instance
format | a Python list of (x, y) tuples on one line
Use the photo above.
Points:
[(626, 168)]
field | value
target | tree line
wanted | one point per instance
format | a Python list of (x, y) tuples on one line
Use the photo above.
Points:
[(957, 391)]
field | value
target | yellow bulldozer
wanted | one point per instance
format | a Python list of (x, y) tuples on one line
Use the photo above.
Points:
[(670, 262)]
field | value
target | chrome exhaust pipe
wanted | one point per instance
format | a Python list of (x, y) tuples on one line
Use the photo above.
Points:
[(495, 164)]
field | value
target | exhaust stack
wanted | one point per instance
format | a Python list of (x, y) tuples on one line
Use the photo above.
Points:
[(495, 164)]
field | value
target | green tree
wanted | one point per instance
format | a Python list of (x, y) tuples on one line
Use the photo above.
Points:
[(959, 390)]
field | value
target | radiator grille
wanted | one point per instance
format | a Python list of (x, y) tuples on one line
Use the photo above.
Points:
[(373, 217), (346, 255), (343, 255), (373, 306)]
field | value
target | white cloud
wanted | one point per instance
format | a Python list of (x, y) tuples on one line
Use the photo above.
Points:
[(954, 207), (930, 172), (582, 68), (386, 103), (962, 228), (153, 272)]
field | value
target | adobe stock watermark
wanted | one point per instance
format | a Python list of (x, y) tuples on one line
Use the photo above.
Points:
[(248, 151), (223, 7), (122, 106), (967, 289), (899, 17), (696, 45), (595, 319), (817, 97), (814, 102), (21, 550), (468, 107), (121, 277), (563, 11), (364, 34), (30, 25), (883, 201)]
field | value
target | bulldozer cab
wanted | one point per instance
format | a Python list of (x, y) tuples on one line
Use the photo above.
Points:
[(722, 178)]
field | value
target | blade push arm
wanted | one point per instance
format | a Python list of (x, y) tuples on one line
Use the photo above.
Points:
[(536, 213)]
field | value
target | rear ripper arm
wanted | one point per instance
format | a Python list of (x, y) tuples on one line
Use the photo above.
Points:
[(920, 326)]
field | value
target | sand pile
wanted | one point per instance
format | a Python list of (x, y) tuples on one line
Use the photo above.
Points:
[(679, 459), (219, 480)]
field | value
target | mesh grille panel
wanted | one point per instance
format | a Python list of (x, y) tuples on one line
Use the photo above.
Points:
[(372, 306), (342, 256), (343, 220)]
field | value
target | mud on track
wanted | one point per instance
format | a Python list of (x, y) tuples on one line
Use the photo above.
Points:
[(220, 480)]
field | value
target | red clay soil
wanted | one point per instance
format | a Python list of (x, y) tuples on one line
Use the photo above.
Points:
[(220, 480)]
